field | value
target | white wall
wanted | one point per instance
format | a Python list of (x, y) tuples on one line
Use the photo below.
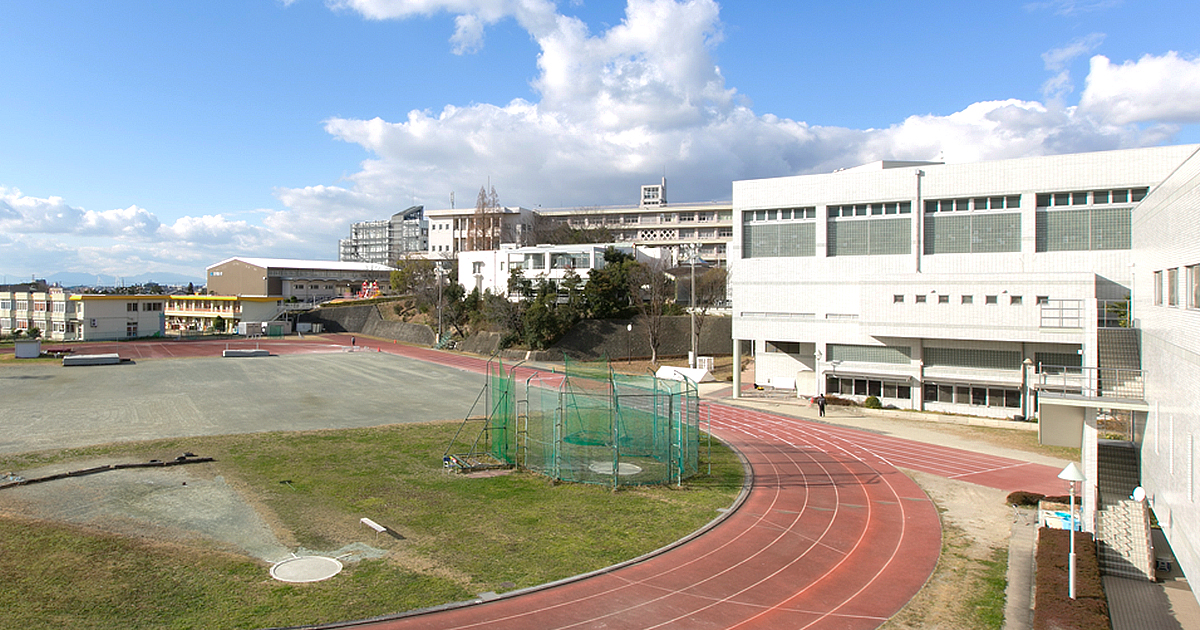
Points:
[(1167, 235)]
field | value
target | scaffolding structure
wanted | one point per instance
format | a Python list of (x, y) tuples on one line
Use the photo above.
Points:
[(583, 425)]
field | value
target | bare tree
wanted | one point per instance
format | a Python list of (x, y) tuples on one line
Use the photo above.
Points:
[(483, 229), (651, 287)]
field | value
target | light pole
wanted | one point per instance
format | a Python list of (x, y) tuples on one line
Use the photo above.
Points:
[(1072, 474), (692, 304), (439, 272), (628, 343), (817, 371), (1025, 406)]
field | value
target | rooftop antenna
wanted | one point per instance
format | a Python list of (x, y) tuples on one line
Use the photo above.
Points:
[(451, 199)]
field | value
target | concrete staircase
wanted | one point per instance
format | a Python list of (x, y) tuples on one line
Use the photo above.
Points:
[(1123, 525), (1120, 363), (1119, 348)]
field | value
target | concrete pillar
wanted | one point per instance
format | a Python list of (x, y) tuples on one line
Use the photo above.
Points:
[(1090, 466), (737, 368)]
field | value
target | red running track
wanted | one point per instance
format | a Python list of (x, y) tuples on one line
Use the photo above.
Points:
[(829, 535)]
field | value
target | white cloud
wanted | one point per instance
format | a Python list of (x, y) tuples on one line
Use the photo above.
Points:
[(1162, 89), (619, 107), (1068, 8), (1058, 61)]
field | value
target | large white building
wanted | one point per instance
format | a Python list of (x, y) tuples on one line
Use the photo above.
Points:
[(491, 270), (1008, 288)]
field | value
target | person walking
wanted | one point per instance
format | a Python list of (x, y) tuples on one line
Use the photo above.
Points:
[(353, 343), (821, 405)]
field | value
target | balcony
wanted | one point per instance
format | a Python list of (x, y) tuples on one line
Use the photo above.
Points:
[(1093, 387)]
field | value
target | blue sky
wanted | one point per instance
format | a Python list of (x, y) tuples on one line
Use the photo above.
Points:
[(165, 136)]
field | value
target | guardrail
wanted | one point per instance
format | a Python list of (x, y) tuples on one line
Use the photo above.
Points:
[(1092, 382)]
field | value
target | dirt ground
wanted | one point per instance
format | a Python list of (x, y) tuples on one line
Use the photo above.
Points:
[(975, 522)]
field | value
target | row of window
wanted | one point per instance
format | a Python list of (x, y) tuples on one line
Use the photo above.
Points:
[(976, 358), (962, 394), (869, 209), (944, 298), (1086, 229), (868, 387), (779, 214), (974, 395), (132, 307), (1170, 290), (975, 203), (1097, 197)]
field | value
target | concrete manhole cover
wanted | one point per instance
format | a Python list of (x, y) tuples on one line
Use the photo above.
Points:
[(606, 468), (306, 569)]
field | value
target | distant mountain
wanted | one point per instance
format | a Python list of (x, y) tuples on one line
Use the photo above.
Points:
[(74, 279)]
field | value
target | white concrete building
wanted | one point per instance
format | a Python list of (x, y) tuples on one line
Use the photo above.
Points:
[(491, 270), (450, 230), (996, 289)]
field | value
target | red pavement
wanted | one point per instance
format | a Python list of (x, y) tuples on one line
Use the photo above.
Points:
[(830, 534)]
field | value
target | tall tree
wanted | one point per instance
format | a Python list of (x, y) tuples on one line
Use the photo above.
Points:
[(609, 290)]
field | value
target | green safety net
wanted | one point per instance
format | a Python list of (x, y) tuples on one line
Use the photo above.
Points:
[(586, 423)]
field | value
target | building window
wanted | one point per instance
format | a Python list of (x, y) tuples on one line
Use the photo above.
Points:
[(1043, 300), (976, 358), (1084, 229), (784, 347), (991, 299), (944, 299), (870, 237), (131, 307), (868, 387), (1015, 300), (1158, 293), (920, 299), (968, 299), (899, 355), (1173, 287), (1193, 283), (897, 299)]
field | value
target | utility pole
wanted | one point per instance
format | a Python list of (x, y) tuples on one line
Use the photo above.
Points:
[(692, 360)]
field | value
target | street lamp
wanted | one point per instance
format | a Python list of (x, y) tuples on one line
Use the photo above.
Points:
[(439, 272), (1026, 407), (817, 370), (629, 343), (1072, 474)]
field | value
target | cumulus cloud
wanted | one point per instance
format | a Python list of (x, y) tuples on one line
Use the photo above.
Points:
[(50, 234), (616, 109), (1162, 89)]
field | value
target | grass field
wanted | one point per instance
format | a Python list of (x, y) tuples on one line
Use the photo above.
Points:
[(463, 535)]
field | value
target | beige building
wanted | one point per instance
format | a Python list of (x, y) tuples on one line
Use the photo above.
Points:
[(308, 281)]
